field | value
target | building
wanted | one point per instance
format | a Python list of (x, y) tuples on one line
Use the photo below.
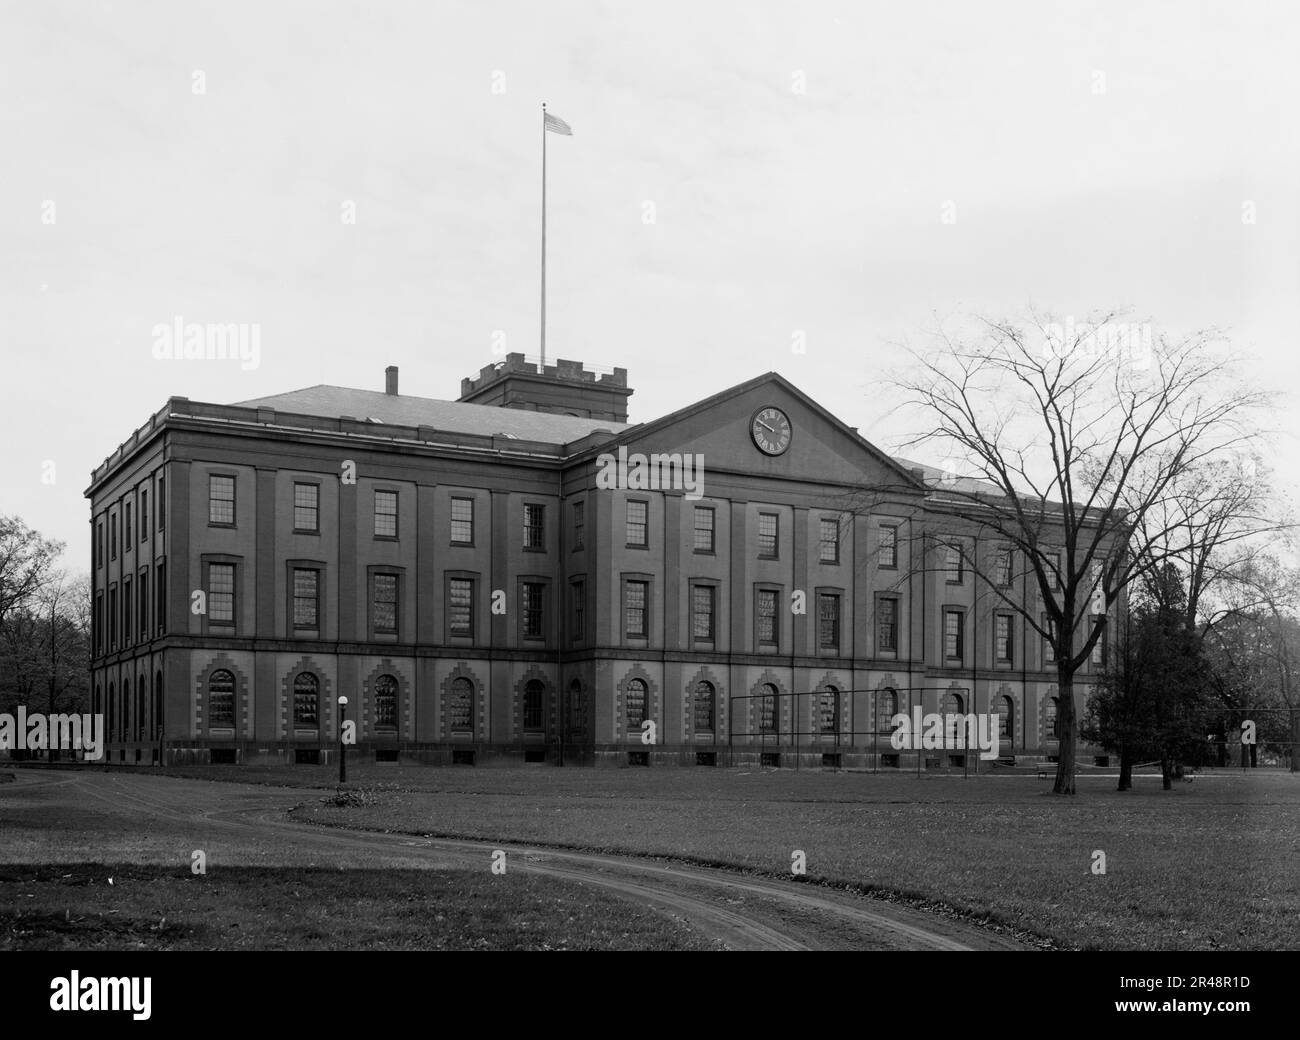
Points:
[(499, 579)]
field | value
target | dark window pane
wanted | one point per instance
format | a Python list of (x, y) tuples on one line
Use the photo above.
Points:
[(703, 704), (533, 610), (305, 598), (221, 593), (385, 612), (460, 706), (221, 500), (534, 530), (306, 514), (386, 514), (829, 547), (461, 606), (636, 704), (767, 615), (386, 702), (221, 699), (702, 600), (637, 524), (533, 696), (703, 529), (306, 702), (634, 607), (462, 520), (767, 709)]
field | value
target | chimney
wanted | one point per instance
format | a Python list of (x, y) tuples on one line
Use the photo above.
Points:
[(390, 380)]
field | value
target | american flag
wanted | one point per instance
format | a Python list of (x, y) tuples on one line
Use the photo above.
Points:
[(556, 125)]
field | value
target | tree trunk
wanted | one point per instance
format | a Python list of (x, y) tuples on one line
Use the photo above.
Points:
[(1125, 769), (1166, 771), (1065, 725), (1295, 741)]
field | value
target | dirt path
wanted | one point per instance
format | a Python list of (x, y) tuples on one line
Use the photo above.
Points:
[(248, 824)]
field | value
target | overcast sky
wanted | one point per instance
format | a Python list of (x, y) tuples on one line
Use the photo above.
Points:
[(800, 161)]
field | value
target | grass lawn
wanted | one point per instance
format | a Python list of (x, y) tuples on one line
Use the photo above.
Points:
[(1209, 865), (73, 907)]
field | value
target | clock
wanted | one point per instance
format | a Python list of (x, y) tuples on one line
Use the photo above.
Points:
[(770, 428)]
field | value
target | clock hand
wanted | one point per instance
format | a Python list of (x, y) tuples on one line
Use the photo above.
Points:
[(765, 426)]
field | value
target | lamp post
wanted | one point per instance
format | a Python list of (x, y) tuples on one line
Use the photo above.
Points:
[(343, 748)]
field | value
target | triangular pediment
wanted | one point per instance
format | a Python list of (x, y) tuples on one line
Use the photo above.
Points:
[(821, 449)]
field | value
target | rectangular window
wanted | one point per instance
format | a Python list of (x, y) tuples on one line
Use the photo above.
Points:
[(462, 521), (702, 611), (579, 524), (1002, 646), (385, 608), (634, 607), (768, 526), (112, 536), (1003, 567), (578, 611), (160, 598), (112, 617), (221, 593), (142, 592), (1054, 568), (306, 507), (99, 622), (953, 633), (828, 550), (99, 545), (1049, 644), (221, 500), (306, 598), (533, 592), (127, 619), (162, 503), (126, 528), (1099, 647), (828, 621), (460, 606), (889, 547), (766, 610), (638, 527), (954, 563), (534, 527), (385, 514), (887, 624), (144, 515), (704, 529)]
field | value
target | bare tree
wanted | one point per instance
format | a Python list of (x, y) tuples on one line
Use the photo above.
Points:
[(25, 561), (1081, 441)]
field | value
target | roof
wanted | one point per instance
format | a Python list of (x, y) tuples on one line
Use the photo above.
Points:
[(943, 480), (451, 416)]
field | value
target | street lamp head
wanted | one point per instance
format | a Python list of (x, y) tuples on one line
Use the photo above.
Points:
[(343, 701)]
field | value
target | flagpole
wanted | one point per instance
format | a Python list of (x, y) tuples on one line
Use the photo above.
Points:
[(543, 238)]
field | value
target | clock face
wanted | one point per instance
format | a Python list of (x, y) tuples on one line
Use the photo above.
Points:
[(771, 431)]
